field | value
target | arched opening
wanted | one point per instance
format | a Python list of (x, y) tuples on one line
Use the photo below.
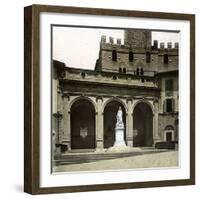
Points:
[(82, 125), (169, 134), (166, 59), (142, 125), (141, 72), (137, 72), (114, 55), (131, 56), (110, 114), (148, 57), (124, 70)]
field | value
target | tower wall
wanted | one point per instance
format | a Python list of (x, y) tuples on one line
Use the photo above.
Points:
[(137, 39)]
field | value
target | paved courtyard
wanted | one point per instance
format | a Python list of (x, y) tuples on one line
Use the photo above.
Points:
[(108, 161)]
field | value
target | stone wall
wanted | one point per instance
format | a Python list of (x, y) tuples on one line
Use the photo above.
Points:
[(139, 43), (165, 120)]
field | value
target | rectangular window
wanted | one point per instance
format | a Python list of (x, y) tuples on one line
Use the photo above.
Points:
[(169, 105), (166, 59), (148, 57), (114, 55), (131, 56), (169, 85)]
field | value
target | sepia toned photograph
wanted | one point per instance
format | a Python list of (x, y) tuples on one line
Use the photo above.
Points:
[(114, 99)]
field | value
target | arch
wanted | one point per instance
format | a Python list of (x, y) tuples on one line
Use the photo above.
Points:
[(83, 115), (114, 99), (110, 112), (83, 97), (169, 127), (143, 124), (169, 133), (146, 102)]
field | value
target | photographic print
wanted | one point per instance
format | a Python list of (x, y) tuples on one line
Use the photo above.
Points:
[(114, 99), (109, 99)]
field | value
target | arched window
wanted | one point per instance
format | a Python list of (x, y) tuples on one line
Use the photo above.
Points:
[(166, 59), (114, 55), (137, 71), (83, 74), (124, 70), (114, 77), (141, 71), (131, 56), (120, 70), (148, 57)]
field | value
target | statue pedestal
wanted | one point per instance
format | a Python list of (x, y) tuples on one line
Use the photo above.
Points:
[(119, 137)]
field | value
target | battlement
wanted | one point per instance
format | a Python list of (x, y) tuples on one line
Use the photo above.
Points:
[(163, 45), (111, 40), (118, 42)]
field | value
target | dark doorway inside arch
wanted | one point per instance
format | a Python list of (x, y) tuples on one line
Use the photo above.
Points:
[(82, 125), (142, 125), (110, 112)]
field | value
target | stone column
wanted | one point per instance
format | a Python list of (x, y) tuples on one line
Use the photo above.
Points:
[(66, 140), (156, 137), (99, 123), (129, 124), (59, 116)]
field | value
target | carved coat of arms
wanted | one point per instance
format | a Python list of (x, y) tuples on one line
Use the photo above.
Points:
[(83, 132)]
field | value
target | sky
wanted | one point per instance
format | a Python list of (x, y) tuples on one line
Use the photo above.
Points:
[(79, 47)]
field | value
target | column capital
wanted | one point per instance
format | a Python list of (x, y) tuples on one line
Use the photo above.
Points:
[(155, 100), (59, 89), (66, 95), (58, 115), (129, 99), (99, 97)]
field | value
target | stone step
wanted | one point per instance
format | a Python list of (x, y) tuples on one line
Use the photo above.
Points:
[(75, 158)]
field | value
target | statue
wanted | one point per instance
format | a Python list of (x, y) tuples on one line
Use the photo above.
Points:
[(119, 116), (119, 123), (119, 129)]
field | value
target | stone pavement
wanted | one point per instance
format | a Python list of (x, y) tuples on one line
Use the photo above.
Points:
[(78, 156), (116, 161)]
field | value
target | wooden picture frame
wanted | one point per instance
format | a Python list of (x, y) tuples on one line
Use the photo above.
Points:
[(32, 92)]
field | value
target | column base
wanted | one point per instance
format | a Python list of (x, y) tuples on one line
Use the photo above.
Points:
[(130, 143), (66, 146), (156, 140), (99, 144)]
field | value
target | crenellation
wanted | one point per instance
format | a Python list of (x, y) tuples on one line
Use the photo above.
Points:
[(103, 39), (169, 45), (176, 45), (162, 45), (111, 40), (155, 44), (118, 41)]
